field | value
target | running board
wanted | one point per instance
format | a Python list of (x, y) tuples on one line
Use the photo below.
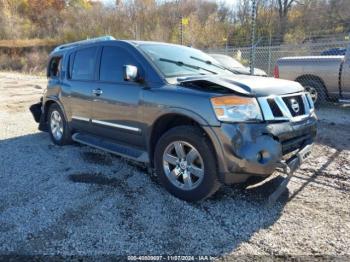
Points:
[(111, 147)]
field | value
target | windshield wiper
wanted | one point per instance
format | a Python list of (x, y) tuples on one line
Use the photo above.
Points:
[(180, 63), (208, 62)]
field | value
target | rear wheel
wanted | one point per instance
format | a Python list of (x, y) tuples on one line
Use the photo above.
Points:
[(58, 126), (316, 90), (186, 164)]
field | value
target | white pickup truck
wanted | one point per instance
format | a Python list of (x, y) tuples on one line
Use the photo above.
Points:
[(323, 76)]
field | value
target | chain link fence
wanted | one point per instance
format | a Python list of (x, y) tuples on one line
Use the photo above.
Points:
[(324, 84)]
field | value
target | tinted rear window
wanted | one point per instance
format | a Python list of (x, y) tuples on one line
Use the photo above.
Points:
[(84, 63)]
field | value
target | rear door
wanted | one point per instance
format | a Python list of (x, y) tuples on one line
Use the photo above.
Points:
[(115, 104), (82, 75)]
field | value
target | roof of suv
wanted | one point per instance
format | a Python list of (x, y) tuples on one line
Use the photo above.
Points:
[(101, 39)]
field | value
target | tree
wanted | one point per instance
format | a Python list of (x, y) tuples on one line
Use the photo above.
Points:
[(283, 8)]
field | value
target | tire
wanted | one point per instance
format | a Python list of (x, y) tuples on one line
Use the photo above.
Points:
[(56, 121), (194, 178), (316, 89)]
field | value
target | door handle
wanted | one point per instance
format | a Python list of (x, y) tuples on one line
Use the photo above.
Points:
[(97, 92)]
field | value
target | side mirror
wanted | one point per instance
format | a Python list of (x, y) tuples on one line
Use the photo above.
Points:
[(131, 73)]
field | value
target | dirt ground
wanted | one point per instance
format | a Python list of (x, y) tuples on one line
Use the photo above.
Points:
[(75, 200)]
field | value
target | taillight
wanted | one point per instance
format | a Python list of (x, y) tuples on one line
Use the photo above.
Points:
[(276, 72)]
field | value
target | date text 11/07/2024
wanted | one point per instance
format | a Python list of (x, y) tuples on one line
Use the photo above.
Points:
[(171, 258)]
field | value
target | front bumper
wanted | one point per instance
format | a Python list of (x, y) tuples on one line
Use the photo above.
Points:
[(256, 149)]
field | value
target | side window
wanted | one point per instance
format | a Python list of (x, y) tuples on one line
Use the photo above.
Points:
[(84, 63), (54, 67), (112, 61)]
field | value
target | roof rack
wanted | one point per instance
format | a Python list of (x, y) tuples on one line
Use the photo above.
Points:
[(87, 41)]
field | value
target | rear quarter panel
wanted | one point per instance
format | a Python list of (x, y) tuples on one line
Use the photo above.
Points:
[(324, 67)]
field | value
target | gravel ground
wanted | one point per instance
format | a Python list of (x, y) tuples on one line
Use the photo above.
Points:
[(75, 200)]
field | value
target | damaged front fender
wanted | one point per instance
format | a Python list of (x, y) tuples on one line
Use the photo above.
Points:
[(256, 149), (250, 149), (259, 156)]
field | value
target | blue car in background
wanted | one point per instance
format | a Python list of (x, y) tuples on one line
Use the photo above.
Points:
[(334, 51)]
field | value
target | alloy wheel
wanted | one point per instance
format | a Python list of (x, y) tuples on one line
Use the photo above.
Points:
[(183, 165), (56, 124)]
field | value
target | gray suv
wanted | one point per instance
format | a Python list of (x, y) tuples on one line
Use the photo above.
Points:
[(175, 109)]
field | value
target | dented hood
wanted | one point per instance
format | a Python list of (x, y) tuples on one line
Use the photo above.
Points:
[(247, 85)]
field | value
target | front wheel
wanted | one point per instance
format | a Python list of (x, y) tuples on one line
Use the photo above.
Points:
[(58, 126), (186, 164)]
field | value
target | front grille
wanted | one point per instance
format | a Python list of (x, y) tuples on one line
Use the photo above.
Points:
[(288, 107), (276, 111), (295, 105)]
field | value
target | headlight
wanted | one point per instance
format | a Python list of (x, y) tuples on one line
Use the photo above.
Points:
[(236, 108)]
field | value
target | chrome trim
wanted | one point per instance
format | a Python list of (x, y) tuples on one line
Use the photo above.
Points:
[(311, 102), (97, 92), (81, 118), (265, 107), (135, 129), (287, 116), (306, 104), (345, 101), (283, 107)]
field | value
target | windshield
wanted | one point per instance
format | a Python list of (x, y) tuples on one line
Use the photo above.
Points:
[(227, 61), (176, 61)]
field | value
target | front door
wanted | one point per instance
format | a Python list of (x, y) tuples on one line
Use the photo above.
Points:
[(81, 80), (115, 103)]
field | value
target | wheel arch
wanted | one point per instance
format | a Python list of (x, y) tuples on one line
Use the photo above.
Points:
[(172, 119), (306, 77), (50, 101)]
